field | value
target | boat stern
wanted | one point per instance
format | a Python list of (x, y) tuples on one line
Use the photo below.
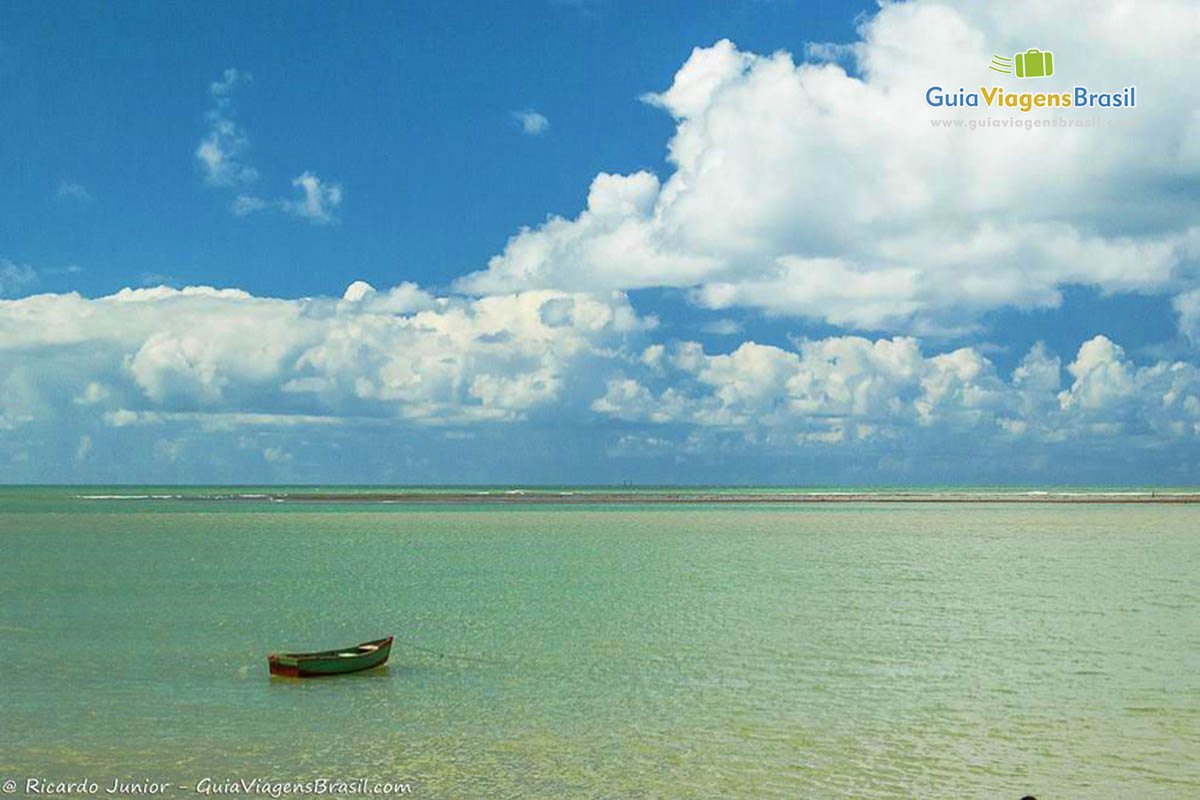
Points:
[(283, 666)]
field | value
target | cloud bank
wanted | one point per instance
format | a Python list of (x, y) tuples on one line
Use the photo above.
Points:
[(844, 389), (222, 361), (400, 354)]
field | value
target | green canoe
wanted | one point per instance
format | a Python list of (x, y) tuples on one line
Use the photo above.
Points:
[(331, 662)]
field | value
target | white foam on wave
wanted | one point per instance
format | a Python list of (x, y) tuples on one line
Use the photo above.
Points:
[(114, 497)]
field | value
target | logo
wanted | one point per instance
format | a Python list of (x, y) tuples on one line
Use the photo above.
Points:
[(1033, 63)]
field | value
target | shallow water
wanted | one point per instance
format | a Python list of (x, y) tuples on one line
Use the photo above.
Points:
[(608, 651)]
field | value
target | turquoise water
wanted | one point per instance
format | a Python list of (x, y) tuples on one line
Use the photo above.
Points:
[(608, 651)]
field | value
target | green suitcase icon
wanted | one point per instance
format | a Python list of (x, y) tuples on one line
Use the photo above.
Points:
[(1034, 63)]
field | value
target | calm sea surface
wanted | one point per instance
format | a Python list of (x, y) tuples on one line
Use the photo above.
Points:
[(849, 650)]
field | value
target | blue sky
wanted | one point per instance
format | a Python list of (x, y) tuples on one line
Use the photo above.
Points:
[(408, 105), (590, 242)]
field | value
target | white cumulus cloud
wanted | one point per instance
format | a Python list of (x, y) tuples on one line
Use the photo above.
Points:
[(800, 188), (1187, 305), (221, 151), (318, 200), (532, 122), (15, 278), (143, 354), (221, 154), (847, 388), (317, 203), (73, 191)]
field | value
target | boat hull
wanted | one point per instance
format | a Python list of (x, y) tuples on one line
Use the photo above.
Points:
[(367, 655)]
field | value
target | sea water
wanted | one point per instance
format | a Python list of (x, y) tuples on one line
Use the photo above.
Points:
[(604, 651)]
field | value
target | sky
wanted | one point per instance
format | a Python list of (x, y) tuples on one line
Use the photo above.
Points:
[(597, 242)]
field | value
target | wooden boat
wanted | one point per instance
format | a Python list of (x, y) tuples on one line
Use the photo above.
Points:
[(331, 662)]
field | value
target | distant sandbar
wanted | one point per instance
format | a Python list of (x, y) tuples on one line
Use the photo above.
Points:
[(546, 497)]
